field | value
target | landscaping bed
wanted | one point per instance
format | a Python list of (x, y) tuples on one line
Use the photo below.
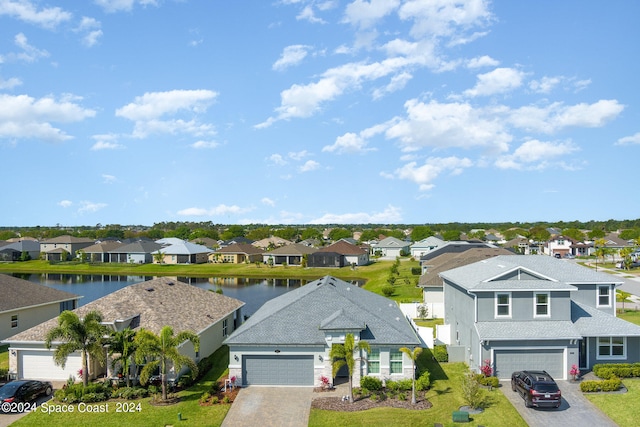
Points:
[(364, 403)]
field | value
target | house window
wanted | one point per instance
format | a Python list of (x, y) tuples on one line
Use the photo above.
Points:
[(503, 305), (373, 361), (611, 348), (395, 359), (541, 302), (604, 296), (224, 328), (14, 321)]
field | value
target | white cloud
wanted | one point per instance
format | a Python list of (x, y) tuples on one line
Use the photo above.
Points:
[(29, 53), (106, 142), (25, 117), (215, 211), (65, 203), (309, 165), (307, 14), (90, 207), (277, 159), (397, 83), (147, 110), (432, 168), (544, 85), (535, 154), (443, 125), (482, 61), (349, 143), (26, 11), (123, 5), (108, 179), (291, 55), (204, 144), (267, 201), (364, 14), (10, 83), (391, 214), (90, 27), (629, 140), (500, 80), (298, 155)]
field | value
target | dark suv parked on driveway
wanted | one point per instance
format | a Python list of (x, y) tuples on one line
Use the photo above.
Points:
[(537, 388)]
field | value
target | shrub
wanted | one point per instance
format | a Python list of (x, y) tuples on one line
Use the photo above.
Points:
[(620, 370), (440, 353), (488, 381), (226, 399), (205, 397), (402, 396), (612, 384), (93, 397), (95, 392), (471, 393), (130, 393), (423, 382), (215, 400), (185, 380), (371, 383), (416, 271), (387, 290), (405, 384)]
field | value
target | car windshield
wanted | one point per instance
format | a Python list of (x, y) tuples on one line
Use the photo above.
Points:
[(546, 388)]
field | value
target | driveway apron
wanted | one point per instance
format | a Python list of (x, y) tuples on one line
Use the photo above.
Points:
[(575, 409), (270, 406)]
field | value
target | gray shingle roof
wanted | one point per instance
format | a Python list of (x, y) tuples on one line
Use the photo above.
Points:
[(296, 317), (158, 303), (18, 293), (292, 249), (591, 322), (474, 276), (532, 330)]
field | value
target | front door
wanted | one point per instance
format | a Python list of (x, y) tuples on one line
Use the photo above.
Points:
[(582, 353)]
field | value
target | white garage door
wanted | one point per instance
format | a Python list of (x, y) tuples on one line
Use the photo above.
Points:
[(509, 361), (36, 364)]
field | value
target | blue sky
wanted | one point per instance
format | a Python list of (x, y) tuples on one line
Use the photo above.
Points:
[(318, 111)]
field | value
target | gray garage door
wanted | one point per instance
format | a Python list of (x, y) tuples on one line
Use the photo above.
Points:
[(550, 360), (278, 370)]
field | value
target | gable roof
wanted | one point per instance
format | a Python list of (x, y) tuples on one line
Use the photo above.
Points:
[(239, 248), (391, 242), (18, 293), (483, 275), (343, 248), (139, 247), (102, 247), (431, 241), (152, 304), (456, 246), (591, 322), (67, 239), (292, 249), (275, 240), (300, 317), (184, 248), (451, 260)]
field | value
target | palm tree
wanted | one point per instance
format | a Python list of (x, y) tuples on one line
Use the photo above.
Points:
[(342, 354), (158, 257), (85, 335), (123, 347), (413, 355), (157, 350)]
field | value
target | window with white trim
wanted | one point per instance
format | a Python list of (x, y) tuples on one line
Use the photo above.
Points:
[(224, 328), (503, 304), (541, 302), (604, 296), (395, 362), (612, 348), (373, 361)]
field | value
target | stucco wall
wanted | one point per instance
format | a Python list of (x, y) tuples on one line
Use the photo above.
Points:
[(27, 318)]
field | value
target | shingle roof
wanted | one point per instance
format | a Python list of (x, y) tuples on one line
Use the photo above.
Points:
[(473, 276), (532, 330), (450, 260), (591, 322), (18, 293), (239, 248), (292, 249), (391, 242), (139, 247), (158, 303), (343, 248), (185, 248), (102, 247), (68, 239), (296, 317)]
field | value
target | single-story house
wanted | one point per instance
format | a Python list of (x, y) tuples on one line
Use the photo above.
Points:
[(25, 304), (184, 253), (289, 254), (99, 252), (237, 253), (288, 340), (271, 242), (424, 246), (138, 252), (150, 305), (338, 254), (390, 247), (535, 312)]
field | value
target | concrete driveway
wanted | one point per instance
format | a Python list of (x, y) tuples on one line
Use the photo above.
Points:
[(575, 409), (270, 406)]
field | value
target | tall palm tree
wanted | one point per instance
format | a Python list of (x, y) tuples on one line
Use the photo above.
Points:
[(158, 350), (75, 334), (343, 354), (123, 347), (413, 355)]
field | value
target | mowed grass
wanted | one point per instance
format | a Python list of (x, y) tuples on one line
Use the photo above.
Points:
[(620, 407), (632, 316), (192, 413), (4, 356), (446, 397)]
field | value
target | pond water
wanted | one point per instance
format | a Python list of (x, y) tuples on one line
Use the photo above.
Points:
[(253, 292)]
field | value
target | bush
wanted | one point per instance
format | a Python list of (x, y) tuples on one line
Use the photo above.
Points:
[(93, 397), (371, 383), (488, 381), (205, 397), (471, 393), (215, 400), (402, 397), (387, 290), (391, 386), (416, 271), (130, 393), (226, 399), (619, 370), (94, 392), (405, 384), (423, 382), (440, 353), (612, 384)]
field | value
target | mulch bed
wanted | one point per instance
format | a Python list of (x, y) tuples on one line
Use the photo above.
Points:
[(364, 403)]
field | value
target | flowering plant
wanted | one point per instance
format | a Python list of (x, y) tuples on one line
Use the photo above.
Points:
[(574, 371), (80, 373), (324, 381), (486, 369), (233, 379)]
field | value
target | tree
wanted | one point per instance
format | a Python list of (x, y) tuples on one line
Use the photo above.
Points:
[(343, 354), (596, 233), (158, 257), (340, 233), (539, 234), (413, 355), (421, 232), (451, 235), (123, 347), (158, 350), (623, 297), (311, 233), (574, 233), (85, 335)]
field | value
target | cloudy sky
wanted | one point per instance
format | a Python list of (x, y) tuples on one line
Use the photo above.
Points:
[(318, 111)]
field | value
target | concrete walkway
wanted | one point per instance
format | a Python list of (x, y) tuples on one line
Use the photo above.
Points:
[(270, 407), (575, 410)]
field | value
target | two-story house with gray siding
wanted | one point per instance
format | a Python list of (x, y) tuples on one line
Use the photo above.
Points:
[(535, 312)]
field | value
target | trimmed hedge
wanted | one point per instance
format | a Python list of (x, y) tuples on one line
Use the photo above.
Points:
[(371, 383), (619, 370), (612, 384), (488, 381), (440, 353)]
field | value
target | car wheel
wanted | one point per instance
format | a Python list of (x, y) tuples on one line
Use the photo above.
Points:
[(48, 391)]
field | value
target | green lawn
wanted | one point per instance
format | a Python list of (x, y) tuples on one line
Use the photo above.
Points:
[(446, 397), (192, 413), (621, 408), (632, 316), (4, 356)]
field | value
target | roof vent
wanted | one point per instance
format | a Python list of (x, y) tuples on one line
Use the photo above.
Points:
[(170, 283), (150, 289)]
